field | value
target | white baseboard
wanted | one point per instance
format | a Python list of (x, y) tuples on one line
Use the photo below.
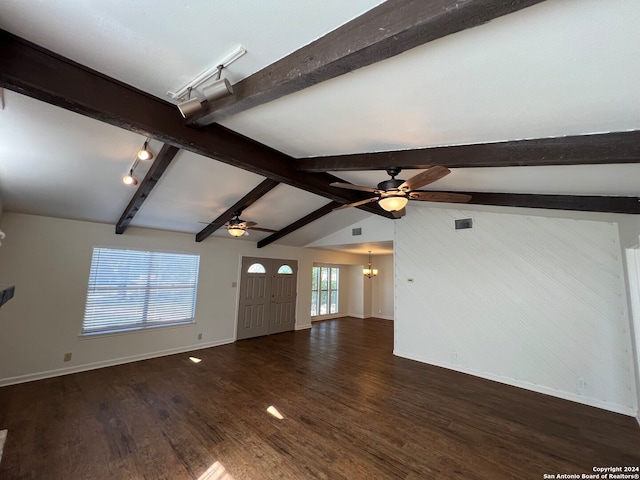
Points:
[(331, 316), (108, 363), (303, 327), (592, 402)]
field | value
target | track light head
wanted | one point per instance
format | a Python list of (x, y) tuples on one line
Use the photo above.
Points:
[(189, 107), (144, 153), (129, 179), (217, 90)]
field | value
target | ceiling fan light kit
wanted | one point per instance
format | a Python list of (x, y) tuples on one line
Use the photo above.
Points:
[(236, 231), (393, 203)]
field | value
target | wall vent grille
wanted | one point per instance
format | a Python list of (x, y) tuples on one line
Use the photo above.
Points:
[(464, 223)]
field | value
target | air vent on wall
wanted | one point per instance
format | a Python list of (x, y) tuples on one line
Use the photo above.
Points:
[(356, 231), (464, 223)]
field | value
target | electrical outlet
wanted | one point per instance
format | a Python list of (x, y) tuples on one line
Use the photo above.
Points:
[(234, 284), (454, 357), (582, 383), (67, 357), (199, 336)]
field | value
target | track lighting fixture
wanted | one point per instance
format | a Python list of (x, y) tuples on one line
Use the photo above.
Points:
[(370, 272), (144, 153), (218, 89), (129, 179), (215, 91)]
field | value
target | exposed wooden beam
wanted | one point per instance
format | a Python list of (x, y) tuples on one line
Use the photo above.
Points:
[(250, 198), (602, 148), (389, 29), (46, 76), (160, 164), (313, 216), (584, 203)]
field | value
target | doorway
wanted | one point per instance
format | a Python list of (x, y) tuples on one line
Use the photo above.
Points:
[(267, 301)]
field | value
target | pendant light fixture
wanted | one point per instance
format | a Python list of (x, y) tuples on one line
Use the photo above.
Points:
[(370, 272)]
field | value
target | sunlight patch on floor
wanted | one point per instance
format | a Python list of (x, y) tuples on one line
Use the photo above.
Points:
[(3, 437), (274, 411), (195, 359), (216, 472)]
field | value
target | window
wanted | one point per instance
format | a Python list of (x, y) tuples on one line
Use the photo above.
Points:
[(285, 270), (256, 268), (324, 290), (132, 289)]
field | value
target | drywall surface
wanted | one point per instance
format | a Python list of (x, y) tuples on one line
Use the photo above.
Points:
[(48, 260), (372, 229), (532, 301), (382, 287)]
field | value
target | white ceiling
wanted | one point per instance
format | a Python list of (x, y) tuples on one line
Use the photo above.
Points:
[(562, 67)]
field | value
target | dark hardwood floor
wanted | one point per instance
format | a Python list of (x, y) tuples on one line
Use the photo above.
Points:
[(351, 411)]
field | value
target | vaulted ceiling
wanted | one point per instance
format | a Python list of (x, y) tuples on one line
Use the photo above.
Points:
[(531, 103)]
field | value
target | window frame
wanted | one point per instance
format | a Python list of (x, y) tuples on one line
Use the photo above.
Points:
[(332, 294), (118, 272)]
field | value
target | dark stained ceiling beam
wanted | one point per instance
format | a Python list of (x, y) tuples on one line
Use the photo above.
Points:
[(312, 217), (160, 164), (46, 76), (250, 198), (583, 203), (389, 29), (602, 148)]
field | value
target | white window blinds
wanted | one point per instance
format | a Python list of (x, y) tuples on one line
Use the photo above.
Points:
[(130, 289)]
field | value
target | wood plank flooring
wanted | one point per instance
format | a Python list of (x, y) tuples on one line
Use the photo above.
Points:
[(351, 411)]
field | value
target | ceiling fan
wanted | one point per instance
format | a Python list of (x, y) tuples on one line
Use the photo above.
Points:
[(393, 194), (238, 227)]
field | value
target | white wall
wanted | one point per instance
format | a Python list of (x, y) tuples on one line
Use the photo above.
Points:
[(373, 229), (48, 261), (382, 287), (532, 301)]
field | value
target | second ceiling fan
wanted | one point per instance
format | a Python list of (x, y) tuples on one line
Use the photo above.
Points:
[(393, 194)]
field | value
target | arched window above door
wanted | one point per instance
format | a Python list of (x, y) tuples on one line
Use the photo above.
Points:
[(285, 270), (256, 268)]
